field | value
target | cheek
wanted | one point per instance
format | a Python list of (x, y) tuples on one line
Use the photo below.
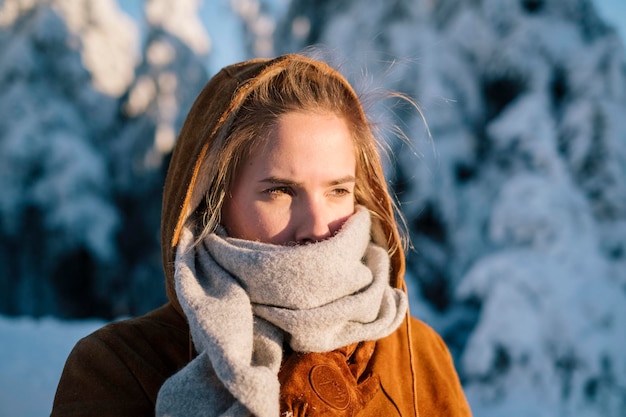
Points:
[(267, 221), (342, 215), (236, 215), (252, 221)]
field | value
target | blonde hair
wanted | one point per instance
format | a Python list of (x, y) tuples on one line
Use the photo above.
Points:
[(302, 85)]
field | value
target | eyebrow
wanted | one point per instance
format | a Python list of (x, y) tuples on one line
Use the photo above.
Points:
[(283, 181)]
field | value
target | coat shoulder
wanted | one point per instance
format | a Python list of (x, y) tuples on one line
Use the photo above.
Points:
[(143, 332), (118, 369), (427, 337), (438, 386)]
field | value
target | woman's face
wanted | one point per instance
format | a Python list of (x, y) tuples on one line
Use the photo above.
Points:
[(297, 186)]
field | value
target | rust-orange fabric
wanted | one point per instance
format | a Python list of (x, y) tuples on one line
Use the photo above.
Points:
[(118, 370)]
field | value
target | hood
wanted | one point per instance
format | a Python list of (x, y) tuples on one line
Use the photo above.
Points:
[(210, 115)]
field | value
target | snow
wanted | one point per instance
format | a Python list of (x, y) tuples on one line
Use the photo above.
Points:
[(182, 20), (32, 355), (614, 11), (108, 38)]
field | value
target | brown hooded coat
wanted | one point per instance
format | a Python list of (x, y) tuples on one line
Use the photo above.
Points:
[(118, 370)]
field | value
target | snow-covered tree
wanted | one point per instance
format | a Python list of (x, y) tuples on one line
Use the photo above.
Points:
[(168, 79), (107, 39), (84, 148), (57, 220), (258, 23)]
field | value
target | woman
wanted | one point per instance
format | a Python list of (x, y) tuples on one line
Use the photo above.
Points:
[(284, 270)]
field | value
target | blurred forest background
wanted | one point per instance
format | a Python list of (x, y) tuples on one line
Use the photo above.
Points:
[(516, 208)]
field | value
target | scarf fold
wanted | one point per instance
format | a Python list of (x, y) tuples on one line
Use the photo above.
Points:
[(244, 300)]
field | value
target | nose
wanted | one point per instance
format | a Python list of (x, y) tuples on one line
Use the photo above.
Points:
[(314, 222)]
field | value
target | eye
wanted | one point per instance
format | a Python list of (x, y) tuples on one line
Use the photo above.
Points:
[(279, 191), (340, 192)]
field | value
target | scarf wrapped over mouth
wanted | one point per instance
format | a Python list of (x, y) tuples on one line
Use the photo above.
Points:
[(245, 300)]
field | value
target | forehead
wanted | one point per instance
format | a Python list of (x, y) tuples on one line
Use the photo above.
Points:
[(302, 141)]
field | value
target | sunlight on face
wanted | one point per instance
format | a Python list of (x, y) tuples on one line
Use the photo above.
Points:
[(298, 186)]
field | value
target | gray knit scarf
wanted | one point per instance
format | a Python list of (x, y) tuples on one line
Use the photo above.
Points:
[(244, 300)]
